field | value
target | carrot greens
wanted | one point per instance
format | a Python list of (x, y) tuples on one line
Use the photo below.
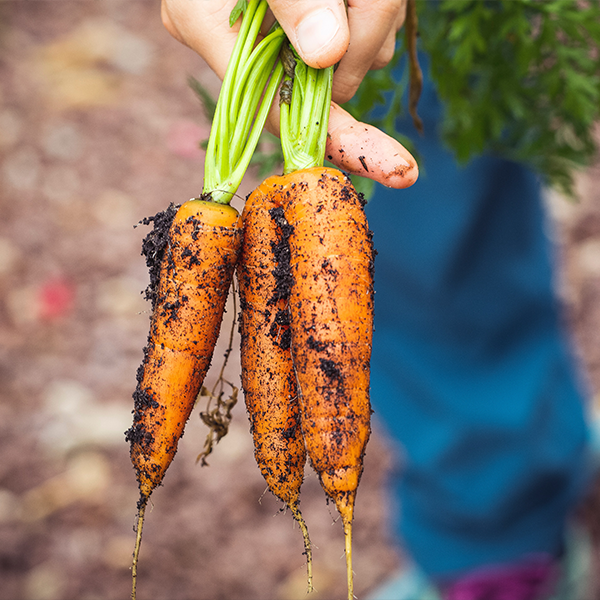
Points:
[(304, 113), (251, 80)]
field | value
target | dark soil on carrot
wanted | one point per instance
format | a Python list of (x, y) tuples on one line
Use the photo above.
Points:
[(98, 129), (153, 247), (281, 252)]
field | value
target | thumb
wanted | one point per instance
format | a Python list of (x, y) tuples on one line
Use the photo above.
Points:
[(318, 29)]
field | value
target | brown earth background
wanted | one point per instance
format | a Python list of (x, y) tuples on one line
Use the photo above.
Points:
[(98, 129)]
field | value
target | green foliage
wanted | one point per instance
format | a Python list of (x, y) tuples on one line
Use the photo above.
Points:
[(520, 78), (209, 104)]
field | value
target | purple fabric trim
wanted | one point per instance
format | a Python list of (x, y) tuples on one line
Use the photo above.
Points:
[(531, 579)]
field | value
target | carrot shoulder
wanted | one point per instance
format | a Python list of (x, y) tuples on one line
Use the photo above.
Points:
[(195, 274)]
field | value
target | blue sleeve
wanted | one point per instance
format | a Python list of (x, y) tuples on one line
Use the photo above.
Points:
[(472, 371)]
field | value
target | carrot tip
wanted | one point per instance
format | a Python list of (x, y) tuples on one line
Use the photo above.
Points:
[(138, 542), (307, 546), (348, 547)]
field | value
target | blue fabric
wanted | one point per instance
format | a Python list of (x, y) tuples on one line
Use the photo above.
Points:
[(471, 370)]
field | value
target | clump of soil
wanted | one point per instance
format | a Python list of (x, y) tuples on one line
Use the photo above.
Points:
[(154, 246)]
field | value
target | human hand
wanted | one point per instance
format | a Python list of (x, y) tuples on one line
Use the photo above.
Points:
[(323, 35)]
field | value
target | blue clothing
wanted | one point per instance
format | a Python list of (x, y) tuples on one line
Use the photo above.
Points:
[(471, 368)]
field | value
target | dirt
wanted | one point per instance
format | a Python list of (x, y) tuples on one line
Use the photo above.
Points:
[(98, 129), (154, 245)]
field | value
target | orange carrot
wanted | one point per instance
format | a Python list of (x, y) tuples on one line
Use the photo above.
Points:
[(193, 276), (331, 307), (197, 259), (268, 377)]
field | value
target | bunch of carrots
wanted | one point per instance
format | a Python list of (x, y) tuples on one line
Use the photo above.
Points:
[(304, 259)]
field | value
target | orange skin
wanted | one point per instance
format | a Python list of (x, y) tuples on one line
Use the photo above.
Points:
[(331, 307), (204, 241), (268, 377)]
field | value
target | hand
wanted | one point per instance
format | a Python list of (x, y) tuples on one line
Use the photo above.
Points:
[(323, 35)]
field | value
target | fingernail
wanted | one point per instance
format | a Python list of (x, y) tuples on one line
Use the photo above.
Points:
[(316, 31)]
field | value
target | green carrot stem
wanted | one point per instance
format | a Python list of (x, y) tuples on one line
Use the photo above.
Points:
[(286, 135), (243, 45), (304, 122), (308, 106), (219, 130), (243, 104), (228, 187), (254, 76), (253, 30), (245, 57), (297, 100), (318, 132)]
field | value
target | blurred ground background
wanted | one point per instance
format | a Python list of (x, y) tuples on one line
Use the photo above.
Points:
[(98, 129)]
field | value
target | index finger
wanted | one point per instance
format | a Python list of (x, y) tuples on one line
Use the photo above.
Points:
[(361, 149)]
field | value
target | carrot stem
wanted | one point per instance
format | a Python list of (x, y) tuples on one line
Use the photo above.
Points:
[(297, 99), (242, 40), (317, 133), (244, 60), (304, 122), (219, 130), (255, 76), (228, 187), (238, 118)]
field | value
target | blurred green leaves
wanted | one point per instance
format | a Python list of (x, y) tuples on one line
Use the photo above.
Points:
[(519, 78)]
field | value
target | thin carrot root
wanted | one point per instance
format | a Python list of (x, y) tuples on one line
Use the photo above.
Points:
[(138, 543), (218, 418), (307, 545), (345, 506), (348, 547)]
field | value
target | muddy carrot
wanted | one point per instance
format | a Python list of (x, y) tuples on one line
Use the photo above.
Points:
[(196, 269), (268, 377), (195, 274), (331, 294), (331, 323)]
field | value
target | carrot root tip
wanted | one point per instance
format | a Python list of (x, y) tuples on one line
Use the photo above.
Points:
[(138, 542), (348, 547), (307, 546)]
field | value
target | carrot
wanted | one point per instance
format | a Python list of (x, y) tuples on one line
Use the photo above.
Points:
[(331, 293), (194, 263), (195, 275), (268, 377), (196, 270), (331, 306)]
